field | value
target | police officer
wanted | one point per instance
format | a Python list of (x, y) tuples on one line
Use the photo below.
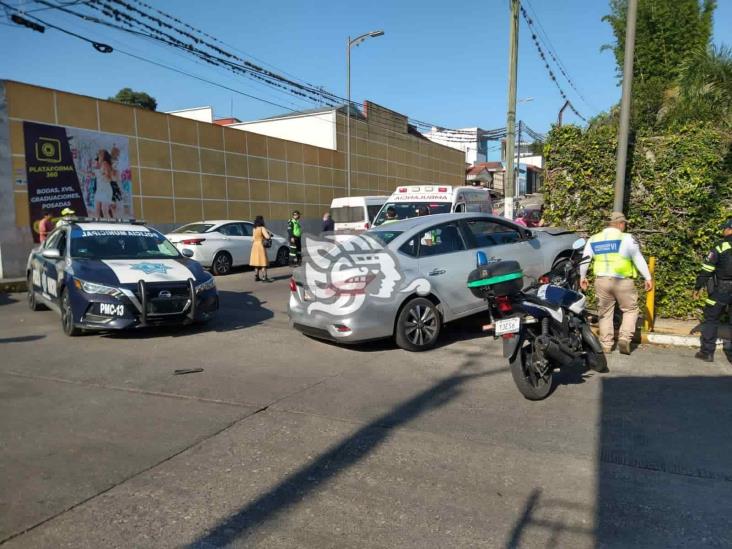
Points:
[(294, 233), (716, 276), (617, 260)]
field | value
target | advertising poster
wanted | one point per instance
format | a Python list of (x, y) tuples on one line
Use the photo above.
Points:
[(86, 171)]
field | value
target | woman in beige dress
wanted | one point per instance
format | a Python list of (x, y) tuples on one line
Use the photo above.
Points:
[(258, 258)]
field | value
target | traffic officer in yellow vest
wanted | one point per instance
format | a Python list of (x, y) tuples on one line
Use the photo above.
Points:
[(617, 260), (294, 234), (716, 277)]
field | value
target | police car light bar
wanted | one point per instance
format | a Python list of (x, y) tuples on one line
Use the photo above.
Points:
[(87, 219)]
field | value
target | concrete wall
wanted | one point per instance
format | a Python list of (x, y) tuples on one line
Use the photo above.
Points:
[(185, 170)]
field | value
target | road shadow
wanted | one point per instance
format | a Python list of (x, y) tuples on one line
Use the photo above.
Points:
[(237, 311), (20, 339), (665, 462), (239, 527), (6, 299), (551, 516)]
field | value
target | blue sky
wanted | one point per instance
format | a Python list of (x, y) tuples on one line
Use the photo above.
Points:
[(440, 62)]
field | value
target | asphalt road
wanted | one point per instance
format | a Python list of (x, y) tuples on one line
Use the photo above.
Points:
[(284, 441)]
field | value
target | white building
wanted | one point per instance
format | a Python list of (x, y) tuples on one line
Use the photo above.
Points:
[(467, 141)]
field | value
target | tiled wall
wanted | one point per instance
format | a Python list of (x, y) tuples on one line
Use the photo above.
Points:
[(184, 170)]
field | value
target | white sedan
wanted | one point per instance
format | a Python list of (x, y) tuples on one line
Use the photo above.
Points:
[(221, 245)]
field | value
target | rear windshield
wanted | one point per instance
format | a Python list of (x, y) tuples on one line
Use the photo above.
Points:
[(347, 214), (384, 235), (405, 210), (121, 244), (192, 228)]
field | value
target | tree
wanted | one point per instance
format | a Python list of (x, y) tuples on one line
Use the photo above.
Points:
[(703, 90), (668, 34), (137, 99)]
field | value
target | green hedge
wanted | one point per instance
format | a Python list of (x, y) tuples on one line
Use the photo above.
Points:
[(680, 193)]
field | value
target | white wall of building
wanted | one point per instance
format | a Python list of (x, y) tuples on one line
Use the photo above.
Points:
[(202, 114), (468, 143), (317, 129)]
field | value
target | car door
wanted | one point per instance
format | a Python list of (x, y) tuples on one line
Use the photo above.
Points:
[(445, 261), (50, 270), (236, 243), (504, 241), (247, 230)]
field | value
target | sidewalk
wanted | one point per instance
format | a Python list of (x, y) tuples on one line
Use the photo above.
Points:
[(9, 285)]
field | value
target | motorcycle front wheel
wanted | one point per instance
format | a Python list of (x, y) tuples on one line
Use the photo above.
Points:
[(526, 374)]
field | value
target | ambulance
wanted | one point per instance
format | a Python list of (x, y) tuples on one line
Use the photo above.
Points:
[(438, 199)]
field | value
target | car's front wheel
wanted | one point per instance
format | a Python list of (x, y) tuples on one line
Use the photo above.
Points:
[(67, 315), (283, 257), (222, 264), (418, 325)]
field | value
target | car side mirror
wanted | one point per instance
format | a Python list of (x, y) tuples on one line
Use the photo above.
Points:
[(480, 258), (187, 252), (579, 244), (51, 253)]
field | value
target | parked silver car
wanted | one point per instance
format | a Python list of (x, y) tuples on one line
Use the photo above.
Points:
[(406, 279)]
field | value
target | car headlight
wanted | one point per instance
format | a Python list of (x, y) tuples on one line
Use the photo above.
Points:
[(94, 288), (209, 284)]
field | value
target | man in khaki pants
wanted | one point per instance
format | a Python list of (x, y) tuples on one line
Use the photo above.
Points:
[(616, 262)]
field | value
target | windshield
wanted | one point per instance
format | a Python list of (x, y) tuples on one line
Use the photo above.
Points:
[(347, 214), (120, 244), (405, 210), (192, 228), (384, 236)]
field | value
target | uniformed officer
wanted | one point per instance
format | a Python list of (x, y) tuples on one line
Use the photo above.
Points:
[(617, 260), (294, 233), (716, 276)]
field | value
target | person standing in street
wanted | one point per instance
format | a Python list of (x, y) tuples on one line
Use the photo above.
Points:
[(294, 234), (616, 262), (328, 223), (258, 256), (716, 277), (45, 226)]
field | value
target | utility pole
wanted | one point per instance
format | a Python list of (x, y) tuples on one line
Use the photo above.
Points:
[(348, 116), (622, 155), (509, 183), (517, 169)]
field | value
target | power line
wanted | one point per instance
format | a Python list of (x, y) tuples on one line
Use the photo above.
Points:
[(552, 76), (544, 37)]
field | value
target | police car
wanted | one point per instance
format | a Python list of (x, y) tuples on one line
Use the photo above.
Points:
[(114, 275)]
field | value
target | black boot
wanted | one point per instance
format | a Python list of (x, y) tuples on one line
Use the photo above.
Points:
[(704, 356)]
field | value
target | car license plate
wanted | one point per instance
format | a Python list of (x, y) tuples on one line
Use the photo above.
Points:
[(111, 309), (508, 326)]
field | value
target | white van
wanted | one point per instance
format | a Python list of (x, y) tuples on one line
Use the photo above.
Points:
[(355, 213), (437, 198)]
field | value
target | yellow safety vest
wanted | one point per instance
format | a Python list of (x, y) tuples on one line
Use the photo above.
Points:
[(607, 260)]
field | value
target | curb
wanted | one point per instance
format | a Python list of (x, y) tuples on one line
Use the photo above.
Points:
[(654, 338), (10, 285)]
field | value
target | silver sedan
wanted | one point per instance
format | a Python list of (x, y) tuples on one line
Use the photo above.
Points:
[(407, 279)]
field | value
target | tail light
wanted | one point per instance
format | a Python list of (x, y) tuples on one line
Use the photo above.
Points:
[(442, 189), (341, 328), (293, 285), (504, 304), (402, 189), (544, 279), (366, 225), (192, 241)]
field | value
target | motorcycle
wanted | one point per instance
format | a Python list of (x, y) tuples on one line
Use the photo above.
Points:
[(544, 327)]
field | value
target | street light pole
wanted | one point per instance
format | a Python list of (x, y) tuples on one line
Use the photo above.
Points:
[(623, 130), (349, 44)]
